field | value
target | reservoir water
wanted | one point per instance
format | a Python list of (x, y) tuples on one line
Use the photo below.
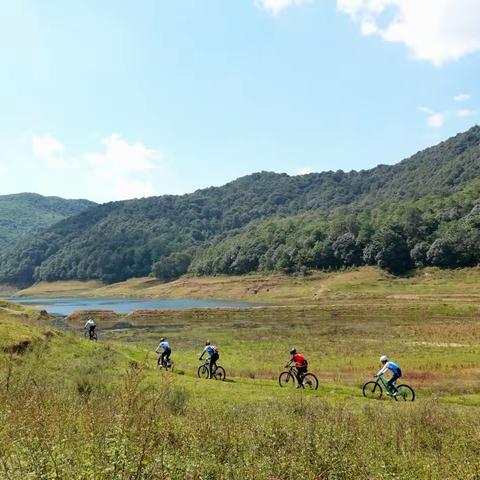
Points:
[(65, 306)]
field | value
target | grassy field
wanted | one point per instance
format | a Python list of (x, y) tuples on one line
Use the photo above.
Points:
[(366, 284), (71, 408)]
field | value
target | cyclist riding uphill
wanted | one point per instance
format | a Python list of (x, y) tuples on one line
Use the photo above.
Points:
[(301, 365), (396, 373), (90, 325), (212, 352), (166, 351)]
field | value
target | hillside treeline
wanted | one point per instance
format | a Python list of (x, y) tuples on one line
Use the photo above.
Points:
[(24, 214), (443, 232), (269, 221)]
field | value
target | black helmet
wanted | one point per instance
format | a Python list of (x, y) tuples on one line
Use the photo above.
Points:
[(293, 350), (207, 342)]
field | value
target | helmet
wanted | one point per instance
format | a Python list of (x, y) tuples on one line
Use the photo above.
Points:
[(162, 339), (383, 359), (293, 350), (207, 342)]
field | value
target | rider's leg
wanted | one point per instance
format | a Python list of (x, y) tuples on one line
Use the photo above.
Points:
[(213, 364), (168, 352), (162, 358), (301, 371), (390, 384)]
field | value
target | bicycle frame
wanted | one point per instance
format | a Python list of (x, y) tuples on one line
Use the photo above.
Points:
[(293, 371), (381, 379)]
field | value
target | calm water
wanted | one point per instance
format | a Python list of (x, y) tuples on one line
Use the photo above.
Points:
[(65, 306)]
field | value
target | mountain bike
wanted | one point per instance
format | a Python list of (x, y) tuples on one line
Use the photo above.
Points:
[(167, 365), (86, 334), (218, 372), (374, 389), (290, 377)]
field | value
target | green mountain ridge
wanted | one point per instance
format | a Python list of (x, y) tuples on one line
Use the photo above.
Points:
[(24, 214), (120, 240)]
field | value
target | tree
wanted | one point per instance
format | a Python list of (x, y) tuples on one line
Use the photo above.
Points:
[(393, 254), (419, 254), (173, 266), (440, 254), (346, 250)]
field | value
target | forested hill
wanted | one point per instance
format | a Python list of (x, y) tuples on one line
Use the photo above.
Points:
[(119, 240), (26, 213)]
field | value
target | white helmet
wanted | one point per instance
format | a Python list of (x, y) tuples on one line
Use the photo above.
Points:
[(383, 359)]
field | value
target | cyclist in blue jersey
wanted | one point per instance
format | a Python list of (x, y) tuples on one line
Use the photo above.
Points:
[(166, 351), (396, 373), (212, 352)]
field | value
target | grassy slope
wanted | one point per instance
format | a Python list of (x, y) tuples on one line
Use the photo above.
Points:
[(365, 284), (75, 409)]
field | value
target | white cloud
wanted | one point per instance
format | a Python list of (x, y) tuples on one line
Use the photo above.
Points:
[(304, 171), (462, 97), (51, 150), (276, 6), (433, 119), (436, 120), (466, 112), (45, 146), (438, 31), (120, 157), (121, 171), (123, 168)]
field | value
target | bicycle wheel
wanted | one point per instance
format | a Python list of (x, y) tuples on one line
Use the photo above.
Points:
[(372, 390), (310, 381), (219, 374), (285, 379), (405, 393), (203, 372)]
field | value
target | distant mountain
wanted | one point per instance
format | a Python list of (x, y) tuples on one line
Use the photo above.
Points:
[(26, 213), (119, 240)]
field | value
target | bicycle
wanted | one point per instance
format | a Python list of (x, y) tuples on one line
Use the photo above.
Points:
[(86, 334), (218, 372), (290, 377), (373, 389), (167, 365)]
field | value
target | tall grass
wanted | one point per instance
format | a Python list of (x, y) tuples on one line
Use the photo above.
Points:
[(139, 429)]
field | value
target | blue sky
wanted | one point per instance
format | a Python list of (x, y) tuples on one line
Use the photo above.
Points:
[(119, 99)]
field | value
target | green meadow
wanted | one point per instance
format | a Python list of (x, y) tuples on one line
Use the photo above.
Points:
[(75, 409)]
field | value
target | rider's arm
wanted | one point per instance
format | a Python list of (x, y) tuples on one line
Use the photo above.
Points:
[(158, 348), (203, 353), (382, 370)]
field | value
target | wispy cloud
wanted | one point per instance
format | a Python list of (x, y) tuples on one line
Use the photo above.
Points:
[(438, 31), (426, 110), (276, 6), (466, 112), (462, 97)]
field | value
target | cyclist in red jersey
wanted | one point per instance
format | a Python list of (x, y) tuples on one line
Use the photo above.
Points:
[(301, 365)]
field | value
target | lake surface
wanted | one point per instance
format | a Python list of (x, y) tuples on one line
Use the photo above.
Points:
[(65, 306)]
